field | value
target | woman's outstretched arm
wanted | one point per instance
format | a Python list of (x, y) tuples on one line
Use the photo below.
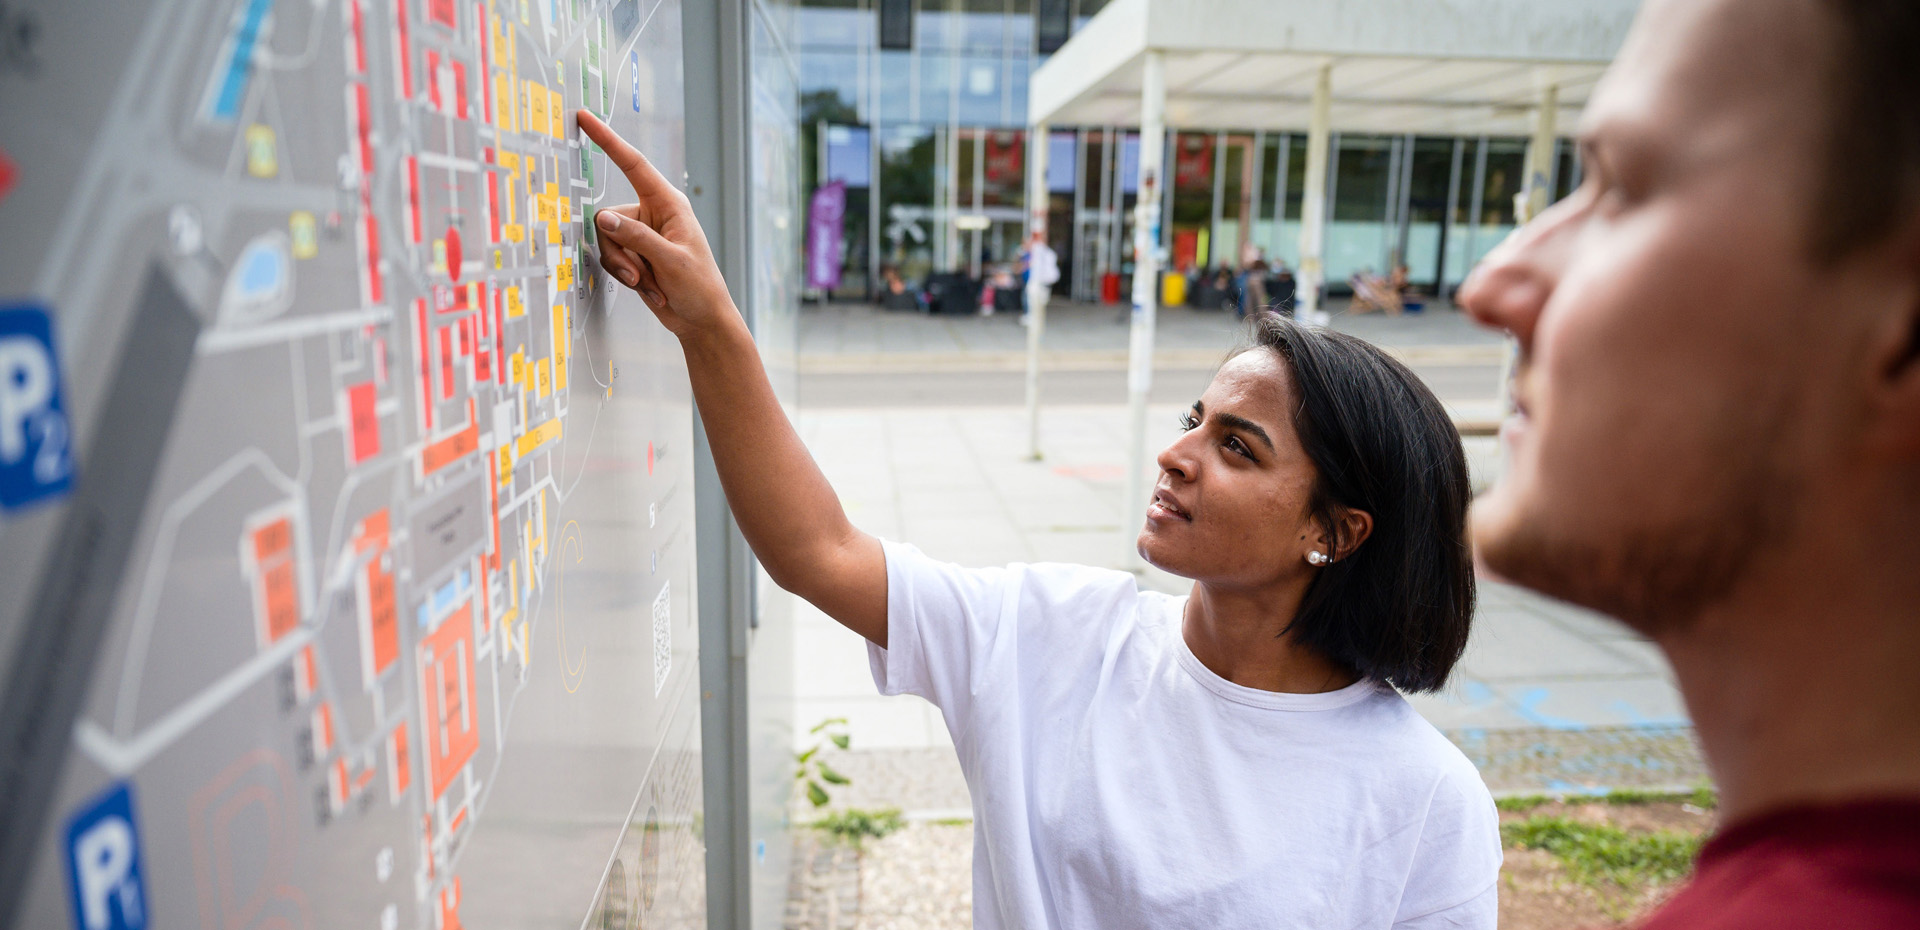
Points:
[(786, 509)]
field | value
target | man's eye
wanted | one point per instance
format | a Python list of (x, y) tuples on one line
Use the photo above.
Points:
[(1234, 443), (1188, 422)]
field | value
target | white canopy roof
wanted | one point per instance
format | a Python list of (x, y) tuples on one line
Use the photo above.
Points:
[(1441, 67)]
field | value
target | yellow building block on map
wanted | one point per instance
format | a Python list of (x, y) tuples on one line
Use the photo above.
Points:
[(560, 347), (563, 276), (538, 436), (542, 378), (553, 233), (565, 205), (517, 367), (514, 232), (503, 99), (509, 161), (515, 309), (303, 233), (559, 111), (506, 465), (263, 156), (537, 102)]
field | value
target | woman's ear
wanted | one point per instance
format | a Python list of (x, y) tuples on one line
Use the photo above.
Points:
[(1351, 528)]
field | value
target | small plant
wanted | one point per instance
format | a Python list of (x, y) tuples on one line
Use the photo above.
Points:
[(1522, 803), (854, 824), (812, 769), (1618, 864)]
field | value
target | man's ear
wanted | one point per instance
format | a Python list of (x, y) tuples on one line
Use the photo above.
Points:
[(1895, 356), (1351, 528)]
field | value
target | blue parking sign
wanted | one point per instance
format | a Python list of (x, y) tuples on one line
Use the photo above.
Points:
[(36, 438), (103, 864)]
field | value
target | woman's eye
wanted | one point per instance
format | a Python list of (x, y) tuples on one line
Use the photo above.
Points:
[(1187, 422), (1234, 443)]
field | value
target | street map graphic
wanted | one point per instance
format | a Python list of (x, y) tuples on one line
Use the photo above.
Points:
[(349, 581)]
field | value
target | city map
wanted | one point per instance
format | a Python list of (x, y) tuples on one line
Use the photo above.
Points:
[(404, 635)]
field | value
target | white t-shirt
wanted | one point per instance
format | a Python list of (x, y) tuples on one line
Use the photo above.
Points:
[(1117, 782), (1043, 267)]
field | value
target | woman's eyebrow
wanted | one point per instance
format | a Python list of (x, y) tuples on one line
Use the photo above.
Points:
[(1238, 422)]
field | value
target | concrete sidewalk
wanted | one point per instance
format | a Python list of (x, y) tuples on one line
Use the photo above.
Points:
[(1548, 698)]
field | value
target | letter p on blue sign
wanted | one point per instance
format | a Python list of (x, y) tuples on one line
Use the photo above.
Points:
[(36, 438), (103, 864)]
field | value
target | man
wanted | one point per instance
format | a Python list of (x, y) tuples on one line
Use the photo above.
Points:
[(1718, 428), (1043, 269)]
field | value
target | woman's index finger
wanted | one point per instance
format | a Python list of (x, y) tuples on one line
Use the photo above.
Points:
[(646, 180)]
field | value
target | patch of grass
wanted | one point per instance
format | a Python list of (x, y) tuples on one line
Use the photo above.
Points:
[(1704, 797), (1522, 804), (1607, 859), (854, 825), (952, 822)]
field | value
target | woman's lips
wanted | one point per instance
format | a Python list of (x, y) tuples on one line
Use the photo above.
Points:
[(1164, 507)]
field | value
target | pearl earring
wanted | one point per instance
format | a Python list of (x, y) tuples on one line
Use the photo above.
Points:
[(1315, 558)]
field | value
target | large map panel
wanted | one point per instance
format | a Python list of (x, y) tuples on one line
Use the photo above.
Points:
[(403, 633)]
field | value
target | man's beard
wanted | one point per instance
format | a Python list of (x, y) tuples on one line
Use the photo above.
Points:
[(1659, 575)]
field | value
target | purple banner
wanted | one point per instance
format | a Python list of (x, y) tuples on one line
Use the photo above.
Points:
[(824, 218)]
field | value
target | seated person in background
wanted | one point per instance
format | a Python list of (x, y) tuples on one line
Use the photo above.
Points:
[(1718, 436), (1372, 292), (1280, 289)]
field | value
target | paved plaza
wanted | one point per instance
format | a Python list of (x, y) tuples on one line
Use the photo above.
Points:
[(1548, 697)]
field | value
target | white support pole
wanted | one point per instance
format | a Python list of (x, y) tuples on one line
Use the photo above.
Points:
[(1038, 197), (1146, 297), (1313, 200), (1541, 151)]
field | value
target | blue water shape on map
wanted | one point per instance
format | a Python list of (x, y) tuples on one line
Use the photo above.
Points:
[(233, 87), (444, 598), (263, 269)]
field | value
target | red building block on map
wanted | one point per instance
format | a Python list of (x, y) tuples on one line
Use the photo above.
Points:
[(379, 623), (446, 698), (363, 424), (276, 584)]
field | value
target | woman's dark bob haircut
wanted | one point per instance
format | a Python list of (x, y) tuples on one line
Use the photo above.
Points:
[(1397, 608)]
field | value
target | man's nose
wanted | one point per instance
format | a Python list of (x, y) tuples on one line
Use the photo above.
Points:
[(1512, 284)]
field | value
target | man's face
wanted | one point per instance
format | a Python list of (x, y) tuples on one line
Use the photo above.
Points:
[(1675, 332)]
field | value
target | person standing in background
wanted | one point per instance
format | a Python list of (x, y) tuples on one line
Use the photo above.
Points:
[(1043, 269)]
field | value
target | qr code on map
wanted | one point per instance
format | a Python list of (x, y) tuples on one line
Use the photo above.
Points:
[(662, 638)]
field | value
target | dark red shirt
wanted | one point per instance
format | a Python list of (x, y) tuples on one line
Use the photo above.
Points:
[(1853, 866)]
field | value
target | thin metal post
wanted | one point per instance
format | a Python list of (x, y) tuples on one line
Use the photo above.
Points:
[(1446, 218), (1283, 179), (1037, 209), (1219, 196), (1473, 212), (1146, 296), (1315, 200)]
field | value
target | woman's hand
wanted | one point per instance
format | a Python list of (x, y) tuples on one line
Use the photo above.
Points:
[(656, 247)]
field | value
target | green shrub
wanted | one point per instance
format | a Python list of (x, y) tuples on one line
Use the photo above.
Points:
[(855, 824)]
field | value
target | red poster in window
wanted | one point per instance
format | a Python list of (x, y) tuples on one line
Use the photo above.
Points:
[(446, 698), (1006, 156), (441, 11), (1193, 160)]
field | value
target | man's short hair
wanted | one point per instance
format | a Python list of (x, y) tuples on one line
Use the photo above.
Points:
[(1873, 162)]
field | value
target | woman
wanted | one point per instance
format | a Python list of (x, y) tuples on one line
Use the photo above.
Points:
[(1234, 758)]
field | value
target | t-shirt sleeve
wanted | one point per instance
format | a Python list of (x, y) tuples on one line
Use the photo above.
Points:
[(943, 621), (1456, 866)]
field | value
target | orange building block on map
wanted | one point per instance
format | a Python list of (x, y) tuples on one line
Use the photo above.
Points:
[(446, 698), (269, 558)]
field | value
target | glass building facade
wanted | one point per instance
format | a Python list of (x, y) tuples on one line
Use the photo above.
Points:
[(932, 145)]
